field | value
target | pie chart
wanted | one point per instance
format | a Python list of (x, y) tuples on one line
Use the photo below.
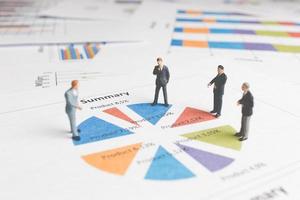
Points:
[(159, 142)]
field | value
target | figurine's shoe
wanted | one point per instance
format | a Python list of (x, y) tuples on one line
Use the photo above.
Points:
[(217, 115), (242, 139), (76, 138)]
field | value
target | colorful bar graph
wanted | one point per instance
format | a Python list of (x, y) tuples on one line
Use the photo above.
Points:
[(198, 12), (86, 51), (234, 21), (237, 31), (91, 50), (236, 45), (70, 53)]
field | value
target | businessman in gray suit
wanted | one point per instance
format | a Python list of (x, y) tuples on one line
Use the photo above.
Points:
[(247, 103), (71, 96), (162, 79)]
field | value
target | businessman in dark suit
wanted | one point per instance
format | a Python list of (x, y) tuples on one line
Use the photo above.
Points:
[(162, 79), (247, 103), (219, 84)]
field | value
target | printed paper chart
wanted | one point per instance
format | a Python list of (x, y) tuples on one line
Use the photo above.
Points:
[(192, 30), (161, 162)]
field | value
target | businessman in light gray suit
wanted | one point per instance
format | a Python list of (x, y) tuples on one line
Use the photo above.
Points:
[(71, 96)]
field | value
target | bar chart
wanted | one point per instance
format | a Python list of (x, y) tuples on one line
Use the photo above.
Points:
[(232, 31), (79, 52)]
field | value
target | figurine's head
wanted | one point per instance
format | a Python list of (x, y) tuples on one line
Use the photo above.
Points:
[(75, 84), (220, 69), (159, 61), (245, 87)]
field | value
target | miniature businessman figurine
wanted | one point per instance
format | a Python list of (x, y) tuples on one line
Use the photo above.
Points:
[(71, 96), (247, 103), (162, 78), (219, 84)]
